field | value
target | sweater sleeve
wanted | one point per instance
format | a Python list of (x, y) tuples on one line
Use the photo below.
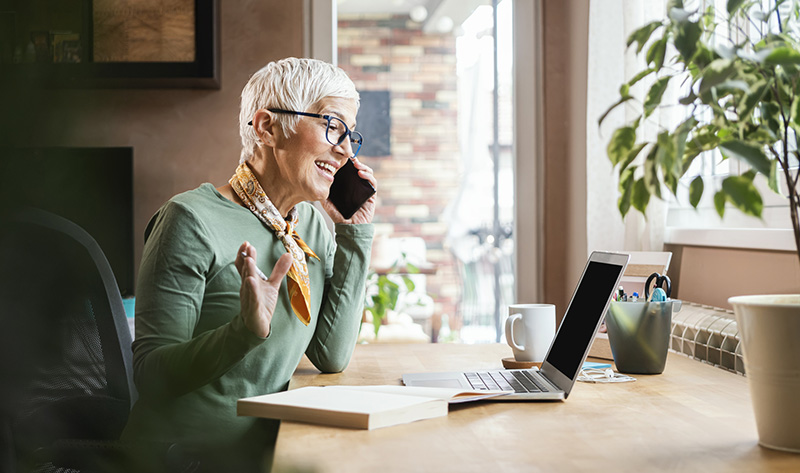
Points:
[(169, 360), (340, 316)]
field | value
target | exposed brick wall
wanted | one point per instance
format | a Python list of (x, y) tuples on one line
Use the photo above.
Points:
[(421, 177)]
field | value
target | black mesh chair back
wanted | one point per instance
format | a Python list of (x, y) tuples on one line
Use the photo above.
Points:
[(65, 346)]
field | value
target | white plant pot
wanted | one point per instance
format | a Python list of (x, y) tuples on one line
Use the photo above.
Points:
[(769, 327)]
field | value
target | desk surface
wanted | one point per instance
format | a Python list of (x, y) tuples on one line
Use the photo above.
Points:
[(691, 418)]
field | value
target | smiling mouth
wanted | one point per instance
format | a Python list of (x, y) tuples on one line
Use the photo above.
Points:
[(326, 167)]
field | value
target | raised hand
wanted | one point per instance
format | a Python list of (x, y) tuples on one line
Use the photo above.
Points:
[(259, 295)]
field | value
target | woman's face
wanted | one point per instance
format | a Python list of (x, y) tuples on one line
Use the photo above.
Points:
[(307, 159)]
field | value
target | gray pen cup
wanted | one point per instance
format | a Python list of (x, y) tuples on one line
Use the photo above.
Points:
[(638, 333)]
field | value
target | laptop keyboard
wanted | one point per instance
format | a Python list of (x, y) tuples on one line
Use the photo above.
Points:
[(517, 381)]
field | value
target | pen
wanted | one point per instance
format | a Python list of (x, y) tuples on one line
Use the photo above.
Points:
[(258, 271)]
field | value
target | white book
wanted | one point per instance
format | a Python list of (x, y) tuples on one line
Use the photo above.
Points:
[(359, 407)]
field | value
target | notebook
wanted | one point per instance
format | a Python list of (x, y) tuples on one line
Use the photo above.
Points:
[(567, 352)]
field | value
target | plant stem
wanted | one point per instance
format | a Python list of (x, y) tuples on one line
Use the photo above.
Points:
[(793, 205)]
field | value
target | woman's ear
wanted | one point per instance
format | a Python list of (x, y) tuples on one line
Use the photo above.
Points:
[(266, 126)]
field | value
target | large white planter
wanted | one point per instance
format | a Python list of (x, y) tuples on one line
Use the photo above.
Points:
[(769, 327)]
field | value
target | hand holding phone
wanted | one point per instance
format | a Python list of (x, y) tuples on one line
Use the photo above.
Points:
[(349, 191)]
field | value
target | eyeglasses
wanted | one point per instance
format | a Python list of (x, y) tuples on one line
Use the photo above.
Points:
[(336, 132)]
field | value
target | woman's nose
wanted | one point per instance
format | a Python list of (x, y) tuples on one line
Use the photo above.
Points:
[(346, 148)]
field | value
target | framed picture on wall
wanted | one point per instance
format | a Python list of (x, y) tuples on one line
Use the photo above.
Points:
[(115, 44)]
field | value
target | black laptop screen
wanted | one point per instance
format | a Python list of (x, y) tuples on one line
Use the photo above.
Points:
[(579, 323)]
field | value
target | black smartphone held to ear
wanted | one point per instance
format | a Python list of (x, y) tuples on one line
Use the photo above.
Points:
[(348, 191)]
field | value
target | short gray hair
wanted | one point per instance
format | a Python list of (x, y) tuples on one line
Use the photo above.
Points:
[(291, 84)]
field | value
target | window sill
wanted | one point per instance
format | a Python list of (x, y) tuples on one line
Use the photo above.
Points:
[(750, 238)]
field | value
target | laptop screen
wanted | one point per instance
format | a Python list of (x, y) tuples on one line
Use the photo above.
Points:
[(580, 321)]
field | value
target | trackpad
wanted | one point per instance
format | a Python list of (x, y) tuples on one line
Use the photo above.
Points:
[(438, 383)]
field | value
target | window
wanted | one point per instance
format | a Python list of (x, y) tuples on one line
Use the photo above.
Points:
[(445, 163), (714, 168)]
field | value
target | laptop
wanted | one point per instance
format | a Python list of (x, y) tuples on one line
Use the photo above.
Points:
[(567, 352)]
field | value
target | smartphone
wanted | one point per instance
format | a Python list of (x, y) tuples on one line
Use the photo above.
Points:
[(348, 191)]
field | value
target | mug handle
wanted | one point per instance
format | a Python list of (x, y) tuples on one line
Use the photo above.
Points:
[(510, 331)]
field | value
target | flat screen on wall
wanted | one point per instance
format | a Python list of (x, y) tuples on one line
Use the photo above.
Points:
[(92, 187)]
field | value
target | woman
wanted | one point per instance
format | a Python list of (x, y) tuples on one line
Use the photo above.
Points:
[(210, 326)]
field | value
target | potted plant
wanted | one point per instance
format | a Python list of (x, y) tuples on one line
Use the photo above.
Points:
[(383, 292), (742, 97)]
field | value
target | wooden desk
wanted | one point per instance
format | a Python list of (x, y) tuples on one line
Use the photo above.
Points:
[(691, 418)]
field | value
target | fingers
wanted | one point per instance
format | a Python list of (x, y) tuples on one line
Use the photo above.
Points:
[(246, 262), (280, 269), (241, 256), (252, 269), (365, 172)]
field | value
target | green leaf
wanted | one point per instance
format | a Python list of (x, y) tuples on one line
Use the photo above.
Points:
[(703, 139), (783, 56), (624, 90), (674, 4), (753, 97), (651, 181), (751, 154), (688, 100), (672, 183), (773, 177), (681, 135), (656, 53), (719, 203), (641, 75), (743, 194), (733, 5), (725, 51), (640, 197), (771, 116), (679, 15), (626, 186), (409, 283), (642, 35), (759, 15), (376, 324), (632, 155), (696, 191), (795, 111), (701, 59), (733, 85), (687, 35), (616, 104), (757, 57), (716, 73), (653, 99), (622, 141)]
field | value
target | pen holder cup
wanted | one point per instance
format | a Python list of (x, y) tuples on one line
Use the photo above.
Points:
[(638, 333)]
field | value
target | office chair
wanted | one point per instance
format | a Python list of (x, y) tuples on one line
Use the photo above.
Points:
[(65, 346)]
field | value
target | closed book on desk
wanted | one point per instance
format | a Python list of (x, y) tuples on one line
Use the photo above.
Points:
[(358, 407)]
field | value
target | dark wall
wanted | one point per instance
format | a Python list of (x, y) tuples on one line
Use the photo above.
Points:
[(180, 137)]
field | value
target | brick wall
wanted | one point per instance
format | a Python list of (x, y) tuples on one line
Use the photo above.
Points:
[(421, 176)]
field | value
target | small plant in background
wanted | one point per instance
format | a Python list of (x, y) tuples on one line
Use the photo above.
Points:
[(383, 293), (742, 80)]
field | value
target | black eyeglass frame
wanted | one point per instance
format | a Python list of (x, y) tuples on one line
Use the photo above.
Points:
[(355, 137)]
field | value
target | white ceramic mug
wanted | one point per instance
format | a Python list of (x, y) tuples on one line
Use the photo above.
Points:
[(530, 329)]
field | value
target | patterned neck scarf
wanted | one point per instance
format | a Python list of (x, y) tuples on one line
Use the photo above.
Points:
[(248, 189)]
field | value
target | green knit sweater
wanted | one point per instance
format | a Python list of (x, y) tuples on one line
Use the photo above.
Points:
[(193, 355)]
